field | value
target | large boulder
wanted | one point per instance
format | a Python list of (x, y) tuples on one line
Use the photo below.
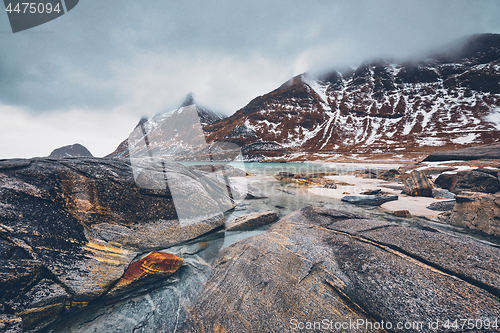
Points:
[(478, 211), (474, 181), (324, 267), (71, 227), (417, 184)]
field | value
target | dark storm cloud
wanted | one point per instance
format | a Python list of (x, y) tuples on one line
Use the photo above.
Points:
[(79, 59), (123, 59)]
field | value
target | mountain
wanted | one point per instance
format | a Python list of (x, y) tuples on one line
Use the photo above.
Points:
[(177, 133), (75, 150), (449, 100)]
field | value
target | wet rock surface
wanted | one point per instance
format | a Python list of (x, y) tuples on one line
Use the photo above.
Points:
[(252, 221), (72, 226), (321, 263), (159, 307), (154, 266), (10, 324)]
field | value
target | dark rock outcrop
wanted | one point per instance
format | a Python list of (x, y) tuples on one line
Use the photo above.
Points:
[(417, 184), (75, 150), (71, 227), (369, 200), (474, 181), (491, 151), (478, 211), (252, 221), (319, 263)]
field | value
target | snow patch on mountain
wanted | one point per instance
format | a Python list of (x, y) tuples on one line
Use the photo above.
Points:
[(494, 118)]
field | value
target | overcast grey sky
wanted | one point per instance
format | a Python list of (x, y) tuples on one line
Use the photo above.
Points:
[(90, 75)]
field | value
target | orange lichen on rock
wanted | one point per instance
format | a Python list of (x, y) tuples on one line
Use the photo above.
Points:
[(155, 263), (152, 267)]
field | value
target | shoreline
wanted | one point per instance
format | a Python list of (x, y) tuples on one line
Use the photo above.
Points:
[(417, 206)]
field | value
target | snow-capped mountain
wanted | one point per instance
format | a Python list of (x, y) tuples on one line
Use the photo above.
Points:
[(176, 133), (451, 100)]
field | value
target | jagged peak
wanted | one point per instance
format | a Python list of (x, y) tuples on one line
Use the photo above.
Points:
[(143, 120), (189, 100)]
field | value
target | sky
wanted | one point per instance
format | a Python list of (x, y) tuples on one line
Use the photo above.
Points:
[(88, 76)]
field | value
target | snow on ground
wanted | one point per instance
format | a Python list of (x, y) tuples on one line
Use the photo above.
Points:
[(416, 205)]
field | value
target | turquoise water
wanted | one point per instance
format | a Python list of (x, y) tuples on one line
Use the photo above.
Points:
[(285, 198), (272, 168)]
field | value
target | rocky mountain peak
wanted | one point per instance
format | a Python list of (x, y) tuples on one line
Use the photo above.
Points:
[(189, 100), (171, 133), (74, 150)]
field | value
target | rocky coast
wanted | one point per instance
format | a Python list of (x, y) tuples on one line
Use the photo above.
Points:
[(94, 245)]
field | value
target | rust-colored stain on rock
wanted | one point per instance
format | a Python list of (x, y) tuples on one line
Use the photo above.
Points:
[(80, 194)]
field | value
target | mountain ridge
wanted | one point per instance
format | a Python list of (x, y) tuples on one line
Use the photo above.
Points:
[(441, 103), (381, 106)]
